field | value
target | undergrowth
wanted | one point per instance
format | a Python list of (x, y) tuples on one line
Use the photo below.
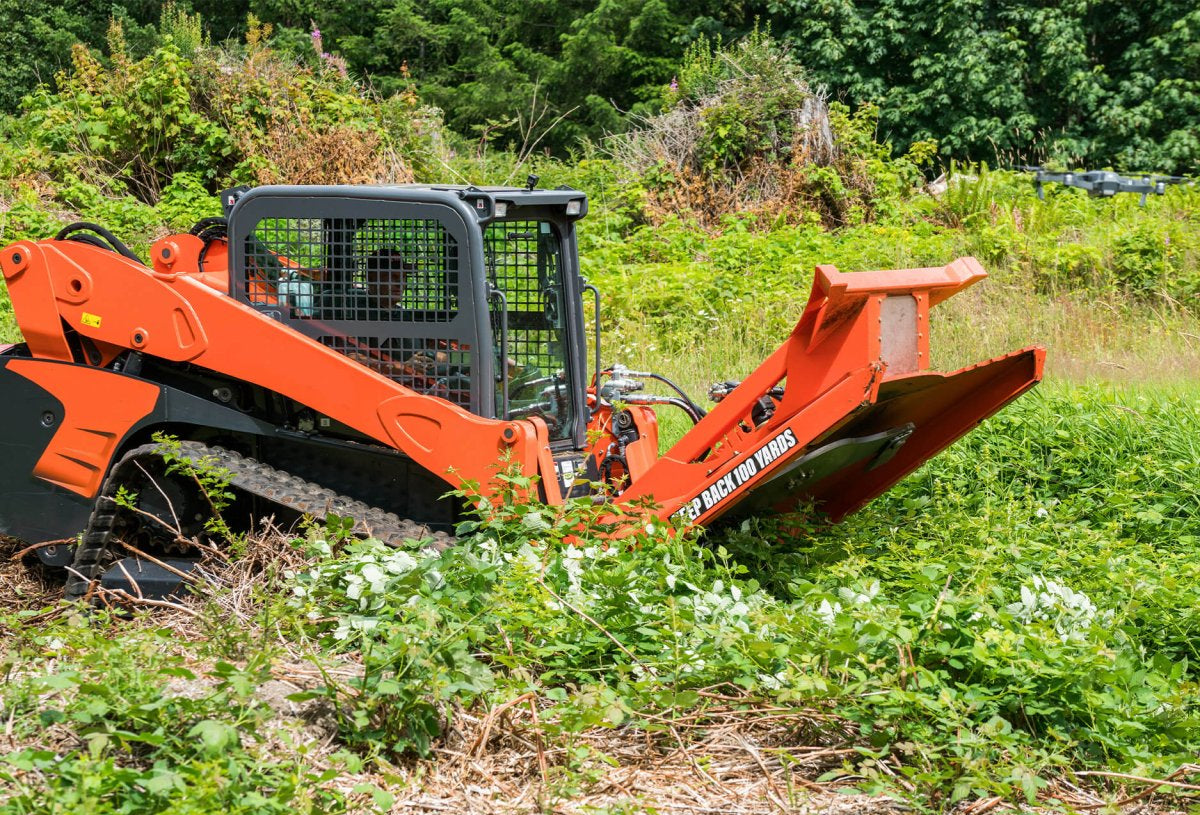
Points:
[(676, 273), (109, 720), (1021, 609)]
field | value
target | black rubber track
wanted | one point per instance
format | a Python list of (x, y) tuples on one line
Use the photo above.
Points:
[(246, 475)]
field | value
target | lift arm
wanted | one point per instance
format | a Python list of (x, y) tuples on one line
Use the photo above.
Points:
[(60, 287)]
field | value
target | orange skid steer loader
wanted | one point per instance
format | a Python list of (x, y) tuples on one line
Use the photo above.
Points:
[(361, 350)]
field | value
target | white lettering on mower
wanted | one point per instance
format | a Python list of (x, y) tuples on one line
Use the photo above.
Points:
[(727, 484)]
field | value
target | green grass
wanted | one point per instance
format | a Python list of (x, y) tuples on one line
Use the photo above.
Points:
[(1023, 607)]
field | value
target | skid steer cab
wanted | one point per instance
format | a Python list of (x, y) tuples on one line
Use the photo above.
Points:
[(363, 350)]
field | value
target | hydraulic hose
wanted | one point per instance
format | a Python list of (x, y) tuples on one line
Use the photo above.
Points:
[(67, 233)]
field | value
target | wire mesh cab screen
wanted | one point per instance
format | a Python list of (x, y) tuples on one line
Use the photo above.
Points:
[(524, 260), (379, 281)]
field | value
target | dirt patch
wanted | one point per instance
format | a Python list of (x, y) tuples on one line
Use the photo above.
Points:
[(25, 584)]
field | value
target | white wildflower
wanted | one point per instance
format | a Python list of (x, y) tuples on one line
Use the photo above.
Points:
[(376, 578), (572, 563), (399, 562), (349, 625), (528, 555), (827, 612), (488, 551), (1071, 612), (641, 672), (772, 681), (859, 598)]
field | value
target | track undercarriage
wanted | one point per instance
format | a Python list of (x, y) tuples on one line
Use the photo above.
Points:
[(146, 532)]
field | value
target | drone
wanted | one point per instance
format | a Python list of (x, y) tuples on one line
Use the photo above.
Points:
[(1105, 183)]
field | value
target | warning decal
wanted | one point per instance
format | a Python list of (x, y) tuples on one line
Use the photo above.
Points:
[(728, 484)]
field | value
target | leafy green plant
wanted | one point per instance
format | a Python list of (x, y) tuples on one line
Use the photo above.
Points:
[(1141, 259), (209, 477), (139, 731), (965, 622)]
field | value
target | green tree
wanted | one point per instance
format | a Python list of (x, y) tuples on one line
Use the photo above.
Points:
[(509, 69), (1078, 81), (1155, 116), (37, 42)]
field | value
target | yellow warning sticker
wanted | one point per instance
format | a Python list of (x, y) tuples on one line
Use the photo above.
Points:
[(90, 319)]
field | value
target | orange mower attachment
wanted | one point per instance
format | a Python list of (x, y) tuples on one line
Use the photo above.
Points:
[(849, 403)]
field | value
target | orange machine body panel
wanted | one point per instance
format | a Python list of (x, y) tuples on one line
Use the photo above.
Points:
[(99, 409)]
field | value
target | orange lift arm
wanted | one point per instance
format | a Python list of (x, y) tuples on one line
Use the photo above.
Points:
[(119, 304)]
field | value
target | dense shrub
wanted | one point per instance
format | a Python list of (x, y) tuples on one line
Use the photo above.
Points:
[(743, 131), (140, 144), (223, 114)]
